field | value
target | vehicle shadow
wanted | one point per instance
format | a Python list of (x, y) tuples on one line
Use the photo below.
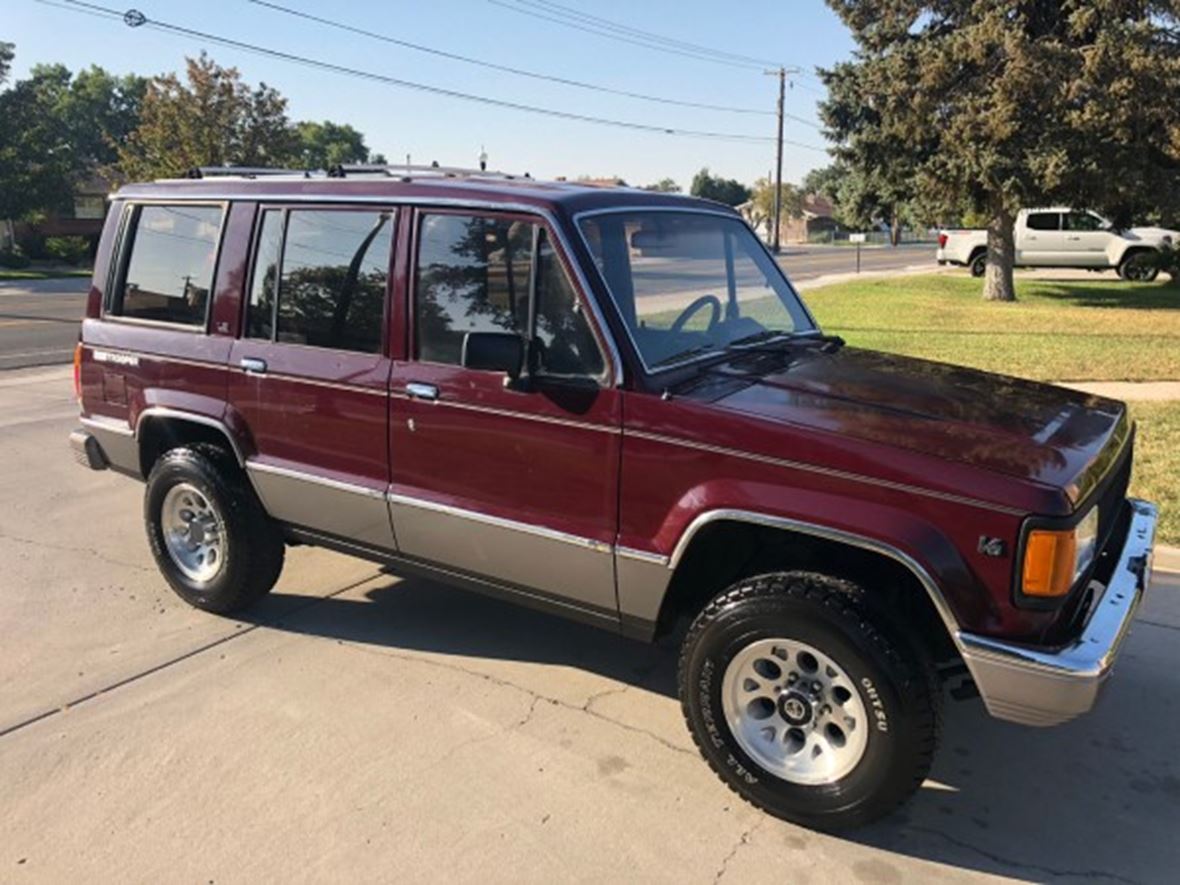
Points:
[(1097, 799), (1111, 293)]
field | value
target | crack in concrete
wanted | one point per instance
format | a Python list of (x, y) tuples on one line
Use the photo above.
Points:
[(743, 839), (496, 680), (142, 674), (1157, 624), (46, 545), (1021, 865)]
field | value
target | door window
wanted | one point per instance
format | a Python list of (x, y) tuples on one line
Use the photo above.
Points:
[(482, 274), (1082, 221), (320, 278), (1044, 221), (169, 273)]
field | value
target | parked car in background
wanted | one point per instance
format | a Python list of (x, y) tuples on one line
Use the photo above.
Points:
[(1061, 237), (611, 404)]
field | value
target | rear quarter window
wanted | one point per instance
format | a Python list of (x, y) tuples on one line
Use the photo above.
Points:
[(169, 258)]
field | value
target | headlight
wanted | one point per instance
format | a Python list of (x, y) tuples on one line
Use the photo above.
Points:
[(1054, 560)]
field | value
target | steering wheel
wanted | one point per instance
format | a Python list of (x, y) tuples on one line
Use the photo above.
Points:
[(704, 301)]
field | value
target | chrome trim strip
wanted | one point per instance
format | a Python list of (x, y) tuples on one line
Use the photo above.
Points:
[(526, 416), (733, 216), (254, 464), (781, 522), (105, 422), (824, 471), (500, 522), (641, 556), (314, 382), (1036, 686), (425, 203), (144, 354), (166, 412)]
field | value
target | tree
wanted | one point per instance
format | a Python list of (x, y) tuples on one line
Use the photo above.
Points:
[(664, 186), (825, 182), (213, 119), (996, 106), (36, 156), (762, 197), (327, 144), (723, 190), (7, 52)]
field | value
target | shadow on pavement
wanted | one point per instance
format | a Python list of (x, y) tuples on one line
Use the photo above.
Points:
[(1097, 799)]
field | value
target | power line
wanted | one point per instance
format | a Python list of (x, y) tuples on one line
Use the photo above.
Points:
[(600, 22), (552, 78), (134, 18)]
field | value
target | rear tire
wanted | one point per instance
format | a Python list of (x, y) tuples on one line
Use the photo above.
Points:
[(209, 534), (978, 264), (780, 665)]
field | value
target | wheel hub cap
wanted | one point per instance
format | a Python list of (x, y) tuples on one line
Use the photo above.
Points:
[(194, 534), (795, 711)]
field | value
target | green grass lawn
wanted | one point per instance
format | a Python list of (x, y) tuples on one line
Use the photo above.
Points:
[(41, 274), (1156, 475), (1105, 330)]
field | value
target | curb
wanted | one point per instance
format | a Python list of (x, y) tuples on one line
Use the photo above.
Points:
[(1167, 559)]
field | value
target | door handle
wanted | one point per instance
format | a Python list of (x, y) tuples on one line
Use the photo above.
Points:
[(253, 365), (418, 390), (1073, 239)]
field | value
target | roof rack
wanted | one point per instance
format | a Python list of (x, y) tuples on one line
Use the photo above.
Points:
[(404, 170), (242, 171)]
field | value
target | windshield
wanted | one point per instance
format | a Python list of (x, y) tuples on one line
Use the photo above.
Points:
[(689, 283)]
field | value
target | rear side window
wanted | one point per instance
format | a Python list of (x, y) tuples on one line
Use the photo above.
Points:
[(320, 277), (171, 256), (1044, 221)]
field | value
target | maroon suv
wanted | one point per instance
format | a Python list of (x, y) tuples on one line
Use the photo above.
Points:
[(612, 404)]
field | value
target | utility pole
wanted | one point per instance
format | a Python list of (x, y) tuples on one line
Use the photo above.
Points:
[(781, 73)]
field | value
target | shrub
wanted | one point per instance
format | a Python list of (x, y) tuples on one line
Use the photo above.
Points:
[(1167, 260), (71, 250), (13, 258)]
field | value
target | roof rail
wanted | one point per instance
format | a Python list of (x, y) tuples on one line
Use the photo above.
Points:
[(404, 170), (241, 171)]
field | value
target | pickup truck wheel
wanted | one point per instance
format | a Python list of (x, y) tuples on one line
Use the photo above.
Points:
[(1138, 268), (208, 532), (805, 703), (979, 265)]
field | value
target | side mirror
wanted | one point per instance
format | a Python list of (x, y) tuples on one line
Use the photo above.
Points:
[(493, 352)]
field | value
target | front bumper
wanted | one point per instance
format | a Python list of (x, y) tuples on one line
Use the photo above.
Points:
[(1036, 686)]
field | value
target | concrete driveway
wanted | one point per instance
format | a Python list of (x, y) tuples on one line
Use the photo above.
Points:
[(364, 727)]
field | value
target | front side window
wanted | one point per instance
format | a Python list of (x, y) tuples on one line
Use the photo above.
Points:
[(1083, 221), (320, 278), (482, 274), (1044, 221), (169, 272), (687, 283)]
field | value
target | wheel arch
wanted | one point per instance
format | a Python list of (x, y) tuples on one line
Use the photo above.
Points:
[(766, 543), (160, 428)]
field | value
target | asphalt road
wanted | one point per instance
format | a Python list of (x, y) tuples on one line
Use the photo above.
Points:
[(39, 321), (363, 726), (39, 318)]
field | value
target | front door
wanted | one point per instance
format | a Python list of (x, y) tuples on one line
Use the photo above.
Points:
[(310, 376), (516, 483), (1086, 240)]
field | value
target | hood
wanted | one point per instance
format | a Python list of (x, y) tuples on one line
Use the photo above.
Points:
[(1153, 235), (1052, 435)]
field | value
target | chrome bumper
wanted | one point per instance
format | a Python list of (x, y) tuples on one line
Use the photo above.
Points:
[(1039, 687)]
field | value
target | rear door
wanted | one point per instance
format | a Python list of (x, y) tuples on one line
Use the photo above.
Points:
[(517, 485), (310, 372), (1040, 240)]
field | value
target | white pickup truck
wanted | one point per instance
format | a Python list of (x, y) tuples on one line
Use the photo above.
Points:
[(1062, 237)]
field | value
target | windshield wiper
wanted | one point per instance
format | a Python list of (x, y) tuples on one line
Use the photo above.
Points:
[(762, 337), (683, 354)]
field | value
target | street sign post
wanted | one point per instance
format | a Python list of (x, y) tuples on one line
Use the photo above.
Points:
[(858, 239)]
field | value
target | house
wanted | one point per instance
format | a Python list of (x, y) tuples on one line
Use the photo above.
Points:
[(816, 220), (84, 218)]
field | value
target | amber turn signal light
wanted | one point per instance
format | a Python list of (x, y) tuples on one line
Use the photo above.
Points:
[(78, 371), (1049, 562)]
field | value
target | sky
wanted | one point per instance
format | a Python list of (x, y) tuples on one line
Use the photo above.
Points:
[(398, 121)]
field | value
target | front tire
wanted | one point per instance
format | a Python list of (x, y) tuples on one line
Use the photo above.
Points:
[(805, 703), (211, 538), (1138, 268)]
